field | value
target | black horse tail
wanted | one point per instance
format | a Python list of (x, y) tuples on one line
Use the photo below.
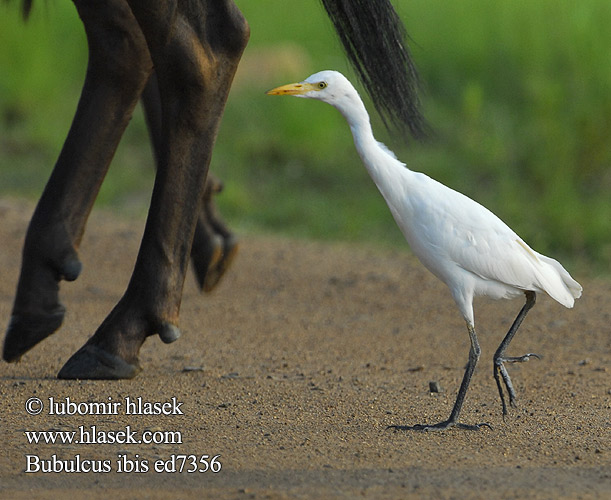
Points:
[(26, 7), (375, 42)]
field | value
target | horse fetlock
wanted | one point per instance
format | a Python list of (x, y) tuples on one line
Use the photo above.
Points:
[(112, 353), (51, 248), (64, 265)]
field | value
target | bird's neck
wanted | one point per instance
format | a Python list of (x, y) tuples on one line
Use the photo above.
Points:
[(356, 115), (378, 161)]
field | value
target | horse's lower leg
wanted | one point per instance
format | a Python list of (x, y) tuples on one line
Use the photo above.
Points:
[(118, 68), (214, 245), (195, 64)]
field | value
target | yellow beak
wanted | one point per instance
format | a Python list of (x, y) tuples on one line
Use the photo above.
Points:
[(293, 89)]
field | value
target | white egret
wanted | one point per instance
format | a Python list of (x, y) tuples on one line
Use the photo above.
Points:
[(462, 243)]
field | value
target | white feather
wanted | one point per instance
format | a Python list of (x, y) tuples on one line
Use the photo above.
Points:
[(461, 242)]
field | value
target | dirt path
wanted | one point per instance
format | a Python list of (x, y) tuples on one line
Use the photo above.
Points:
[(292, 370)]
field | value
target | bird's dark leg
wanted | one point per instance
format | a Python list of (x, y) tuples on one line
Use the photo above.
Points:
[(499, 356), (452, 421)]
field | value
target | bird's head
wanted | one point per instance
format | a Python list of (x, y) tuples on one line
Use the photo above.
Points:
[(328, 86)]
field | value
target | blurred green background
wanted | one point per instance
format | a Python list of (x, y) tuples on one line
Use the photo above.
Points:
[(518, 93)]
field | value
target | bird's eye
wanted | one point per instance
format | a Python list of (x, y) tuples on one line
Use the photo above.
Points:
[(322, 85)]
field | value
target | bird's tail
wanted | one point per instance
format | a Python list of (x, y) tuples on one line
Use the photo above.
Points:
[(556, 281)]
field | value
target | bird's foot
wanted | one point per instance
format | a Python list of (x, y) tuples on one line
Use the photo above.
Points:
[(519, 359), (500, 373), (441, 426)]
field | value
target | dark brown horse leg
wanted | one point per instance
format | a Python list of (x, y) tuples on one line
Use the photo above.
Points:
[(214, 225), (119, 65), (195, 64), (214, 245)]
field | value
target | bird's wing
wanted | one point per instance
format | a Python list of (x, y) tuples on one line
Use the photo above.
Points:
[(464, 233)]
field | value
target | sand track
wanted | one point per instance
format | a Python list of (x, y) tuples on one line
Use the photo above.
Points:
[(294, 367)]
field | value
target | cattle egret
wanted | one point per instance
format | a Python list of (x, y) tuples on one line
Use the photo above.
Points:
[(462, 243)]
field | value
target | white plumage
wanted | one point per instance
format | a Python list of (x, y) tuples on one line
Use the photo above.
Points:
[(461, 242)]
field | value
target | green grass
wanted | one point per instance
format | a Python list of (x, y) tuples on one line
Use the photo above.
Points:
[(518, 93)]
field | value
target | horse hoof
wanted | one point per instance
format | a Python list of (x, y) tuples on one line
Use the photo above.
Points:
[(169, 333), (92, 362), (25, 331), (219, 268), (205, 254)]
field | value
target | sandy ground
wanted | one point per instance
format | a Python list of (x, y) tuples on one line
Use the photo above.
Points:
[(292, 370)]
